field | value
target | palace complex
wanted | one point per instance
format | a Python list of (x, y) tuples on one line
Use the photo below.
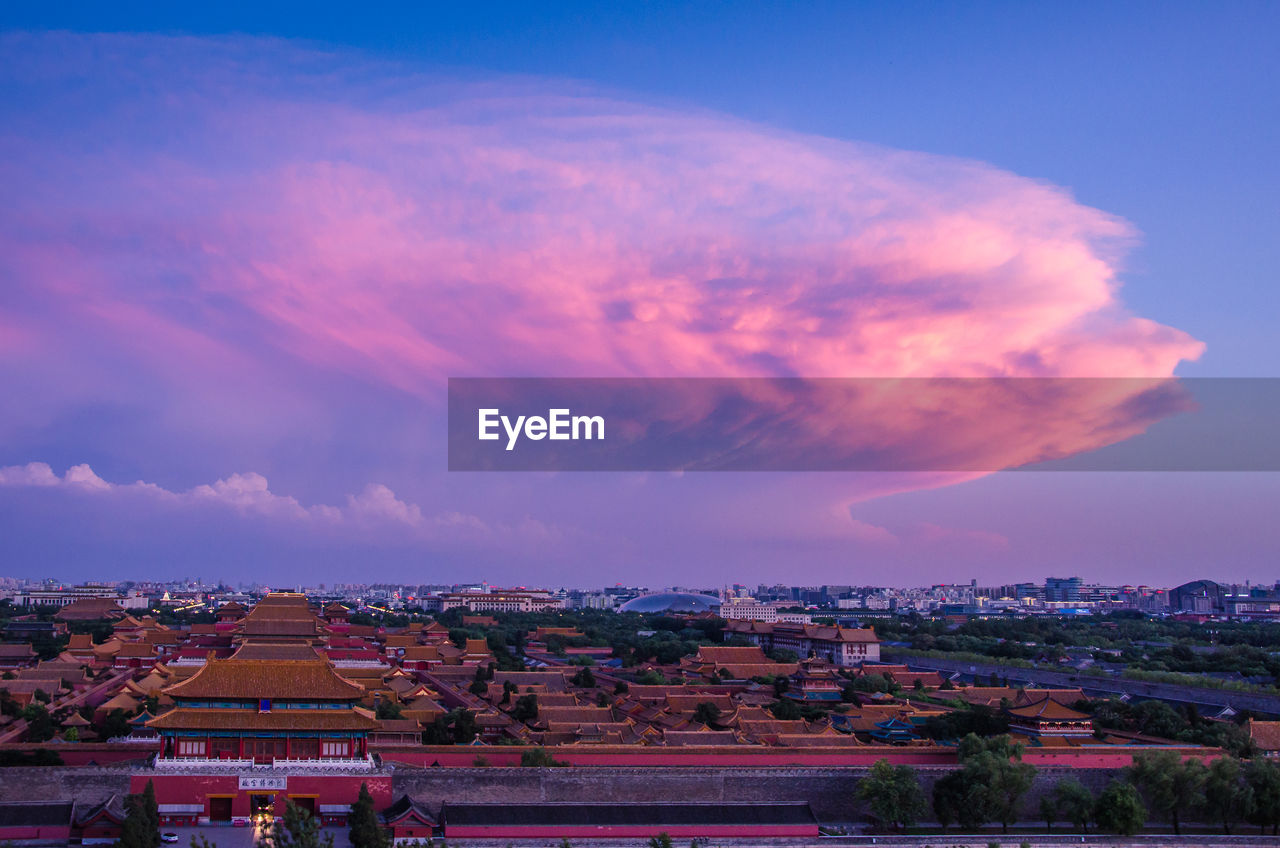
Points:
[(284, 701)]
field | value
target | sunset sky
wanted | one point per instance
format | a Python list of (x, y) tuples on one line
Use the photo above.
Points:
[(241, 252)]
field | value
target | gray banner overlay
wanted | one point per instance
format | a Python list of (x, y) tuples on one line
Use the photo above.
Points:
[(864, 424)]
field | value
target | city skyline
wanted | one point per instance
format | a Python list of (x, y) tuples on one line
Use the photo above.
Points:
[(242, 258)]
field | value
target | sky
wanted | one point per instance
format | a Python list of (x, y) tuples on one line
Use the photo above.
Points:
[(242, 250)]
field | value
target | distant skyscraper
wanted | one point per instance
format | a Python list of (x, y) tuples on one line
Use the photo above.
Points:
[(1062, 588)]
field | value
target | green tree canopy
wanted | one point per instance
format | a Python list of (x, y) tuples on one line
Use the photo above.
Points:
[(1228, 797), (539, 758), (1119, 809), (1073, 802), (706, 713), (1172, 787), (526, 708), (365, 831), (992, 783), (894, 795), (141, 827), (1263, 777)]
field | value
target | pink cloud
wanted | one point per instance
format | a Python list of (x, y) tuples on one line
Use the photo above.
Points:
[(230, 230), (558, 233)]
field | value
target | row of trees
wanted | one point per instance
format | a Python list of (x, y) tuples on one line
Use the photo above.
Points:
[(1225, 792), (992, 780)]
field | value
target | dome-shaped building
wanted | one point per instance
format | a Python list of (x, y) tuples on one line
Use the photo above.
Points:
[(671, 602)]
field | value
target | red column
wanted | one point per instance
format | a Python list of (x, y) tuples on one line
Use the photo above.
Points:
[(287, 747)]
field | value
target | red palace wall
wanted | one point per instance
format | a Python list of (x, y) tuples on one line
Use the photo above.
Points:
[(414, 831), (49, 833), (498, 755), (502, 755), (325, 789), (92, 753), (560, 831)]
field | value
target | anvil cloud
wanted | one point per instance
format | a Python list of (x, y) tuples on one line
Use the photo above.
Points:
[(232, 259)]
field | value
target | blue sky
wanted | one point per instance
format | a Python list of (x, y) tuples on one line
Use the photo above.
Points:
[(1164, 113), (159, 186)]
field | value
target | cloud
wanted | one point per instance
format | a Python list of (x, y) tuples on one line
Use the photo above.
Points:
[(245, 494), (31, 474), (234, 252), (527, 228)]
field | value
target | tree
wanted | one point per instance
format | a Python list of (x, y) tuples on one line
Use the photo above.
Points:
[(1048, 810), (114, 723), (1228, 796), (1263, 778), (662, 840), (995, 780), (978, 719), (1074, 802), (141, 827), (1156, 718), (365, 829), (40, 726), (464, 724), (894, 795), (583, 679), (1119, 809), (456, 727), (950, 801), (785, 710), (621, 688), (526, 708), (478, 687), (539, 758), (299, 829), (706, 713), (1173, 787), (387, 709)]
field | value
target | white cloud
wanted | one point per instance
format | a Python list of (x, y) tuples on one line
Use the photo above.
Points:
[(247, 493)]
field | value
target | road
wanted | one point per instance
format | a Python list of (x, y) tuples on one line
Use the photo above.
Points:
[(241, 837), (1203, 697)]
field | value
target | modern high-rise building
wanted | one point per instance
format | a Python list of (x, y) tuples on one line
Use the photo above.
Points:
[(1062, 588)]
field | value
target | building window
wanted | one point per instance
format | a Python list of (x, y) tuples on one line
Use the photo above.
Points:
[(191, 748), (265, 749), (335, 749)]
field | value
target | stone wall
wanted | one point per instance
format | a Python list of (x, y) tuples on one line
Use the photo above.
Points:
[(54, 783), (830, 791)]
